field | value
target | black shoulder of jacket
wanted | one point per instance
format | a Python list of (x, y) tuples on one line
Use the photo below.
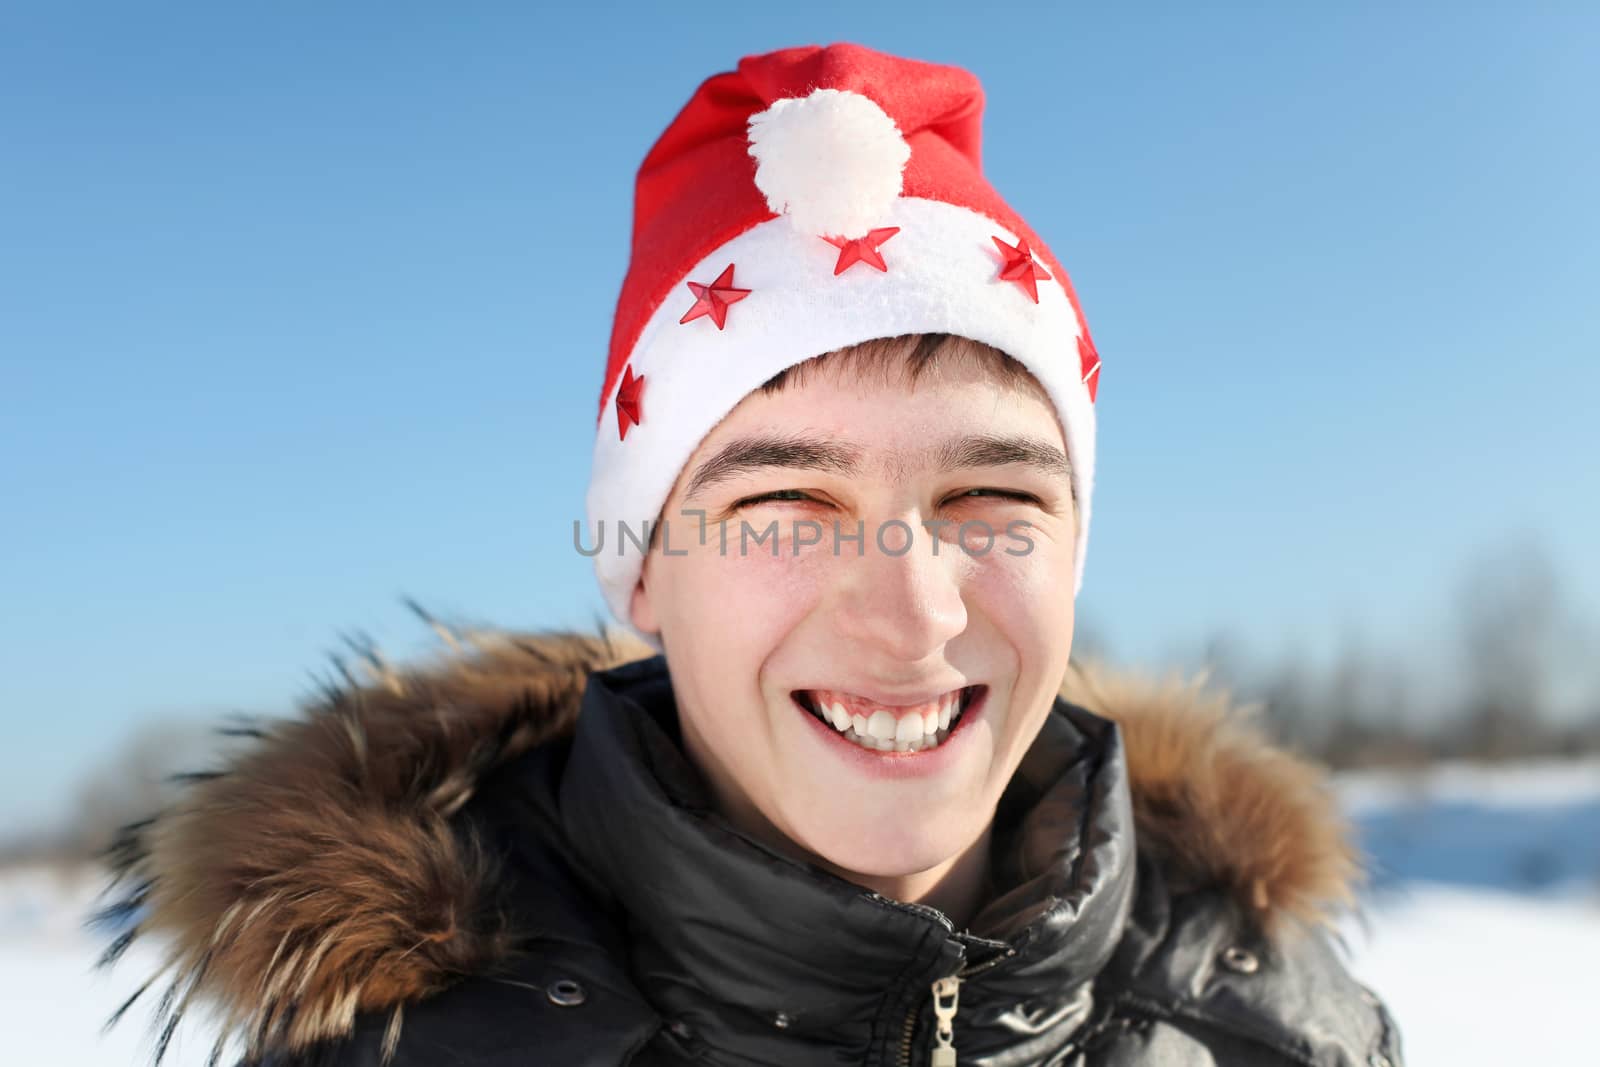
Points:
[(1193, 963)]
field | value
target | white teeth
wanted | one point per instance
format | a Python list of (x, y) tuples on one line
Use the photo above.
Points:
[(909, 728), (882, 731), (882, 725), (839, 717)]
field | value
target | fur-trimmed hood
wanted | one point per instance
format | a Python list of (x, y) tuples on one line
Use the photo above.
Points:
[(318, 873)]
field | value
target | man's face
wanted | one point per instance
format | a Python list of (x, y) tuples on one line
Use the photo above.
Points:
[(763, 646)]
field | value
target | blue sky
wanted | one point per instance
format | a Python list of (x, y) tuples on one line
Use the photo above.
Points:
[(305, 309)]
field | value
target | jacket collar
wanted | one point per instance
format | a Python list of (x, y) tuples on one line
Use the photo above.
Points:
[(754, 951)]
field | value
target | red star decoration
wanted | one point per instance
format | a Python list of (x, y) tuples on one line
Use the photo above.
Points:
[(714, 299), (628, 402), (855, 250), (1089, 364), (1019, 266)]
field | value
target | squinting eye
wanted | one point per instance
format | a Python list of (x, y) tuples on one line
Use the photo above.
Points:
[(776, 494), (1004, 494)]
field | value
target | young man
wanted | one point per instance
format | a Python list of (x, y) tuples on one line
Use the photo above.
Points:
[(861, 809)]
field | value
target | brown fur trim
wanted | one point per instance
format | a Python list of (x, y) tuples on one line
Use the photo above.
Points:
[(317, 875), (1218, 805)]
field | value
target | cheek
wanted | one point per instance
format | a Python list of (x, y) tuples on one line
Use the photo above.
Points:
[(1029, 597), (733, 607), (730, 615)]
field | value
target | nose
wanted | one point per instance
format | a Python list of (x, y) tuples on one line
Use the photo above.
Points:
[(903, 607)]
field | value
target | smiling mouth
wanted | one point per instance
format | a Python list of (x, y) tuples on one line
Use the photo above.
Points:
[(881, 728)]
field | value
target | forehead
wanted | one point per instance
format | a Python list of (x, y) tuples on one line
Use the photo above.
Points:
[(884, 426), (857, 398)]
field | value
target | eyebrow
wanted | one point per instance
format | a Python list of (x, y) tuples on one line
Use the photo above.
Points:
[(996, 450), (747, 455)]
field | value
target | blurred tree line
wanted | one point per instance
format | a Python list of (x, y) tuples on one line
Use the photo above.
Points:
[(1512, 675)]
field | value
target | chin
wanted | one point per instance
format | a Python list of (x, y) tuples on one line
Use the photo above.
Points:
[(892, 851)]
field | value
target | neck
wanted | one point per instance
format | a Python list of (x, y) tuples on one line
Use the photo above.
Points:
[(958, 887)]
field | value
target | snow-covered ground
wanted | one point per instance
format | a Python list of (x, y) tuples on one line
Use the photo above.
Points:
[(1483, 920), (1480, 976), (53, 1000), (1482, 930)]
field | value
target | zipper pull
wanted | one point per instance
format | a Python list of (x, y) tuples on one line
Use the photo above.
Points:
[(944, 1049)]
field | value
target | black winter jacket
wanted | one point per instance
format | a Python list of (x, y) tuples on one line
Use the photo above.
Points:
[(506, 859)]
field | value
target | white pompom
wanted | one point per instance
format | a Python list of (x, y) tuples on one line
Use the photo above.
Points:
[(831, 161)]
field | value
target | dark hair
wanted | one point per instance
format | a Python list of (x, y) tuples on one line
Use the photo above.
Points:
[(909, 354)]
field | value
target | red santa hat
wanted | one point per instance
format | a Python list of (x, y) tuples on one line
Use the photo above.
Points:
[(814, 198)]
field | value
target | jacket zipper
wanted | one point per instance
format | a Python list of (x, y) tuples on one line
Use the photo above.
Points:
[(946, 998), (944, 1033)]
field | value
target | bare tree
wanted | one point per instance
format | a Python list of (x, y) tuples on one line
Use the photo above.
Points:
[(141, 776), (1511, 620)]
